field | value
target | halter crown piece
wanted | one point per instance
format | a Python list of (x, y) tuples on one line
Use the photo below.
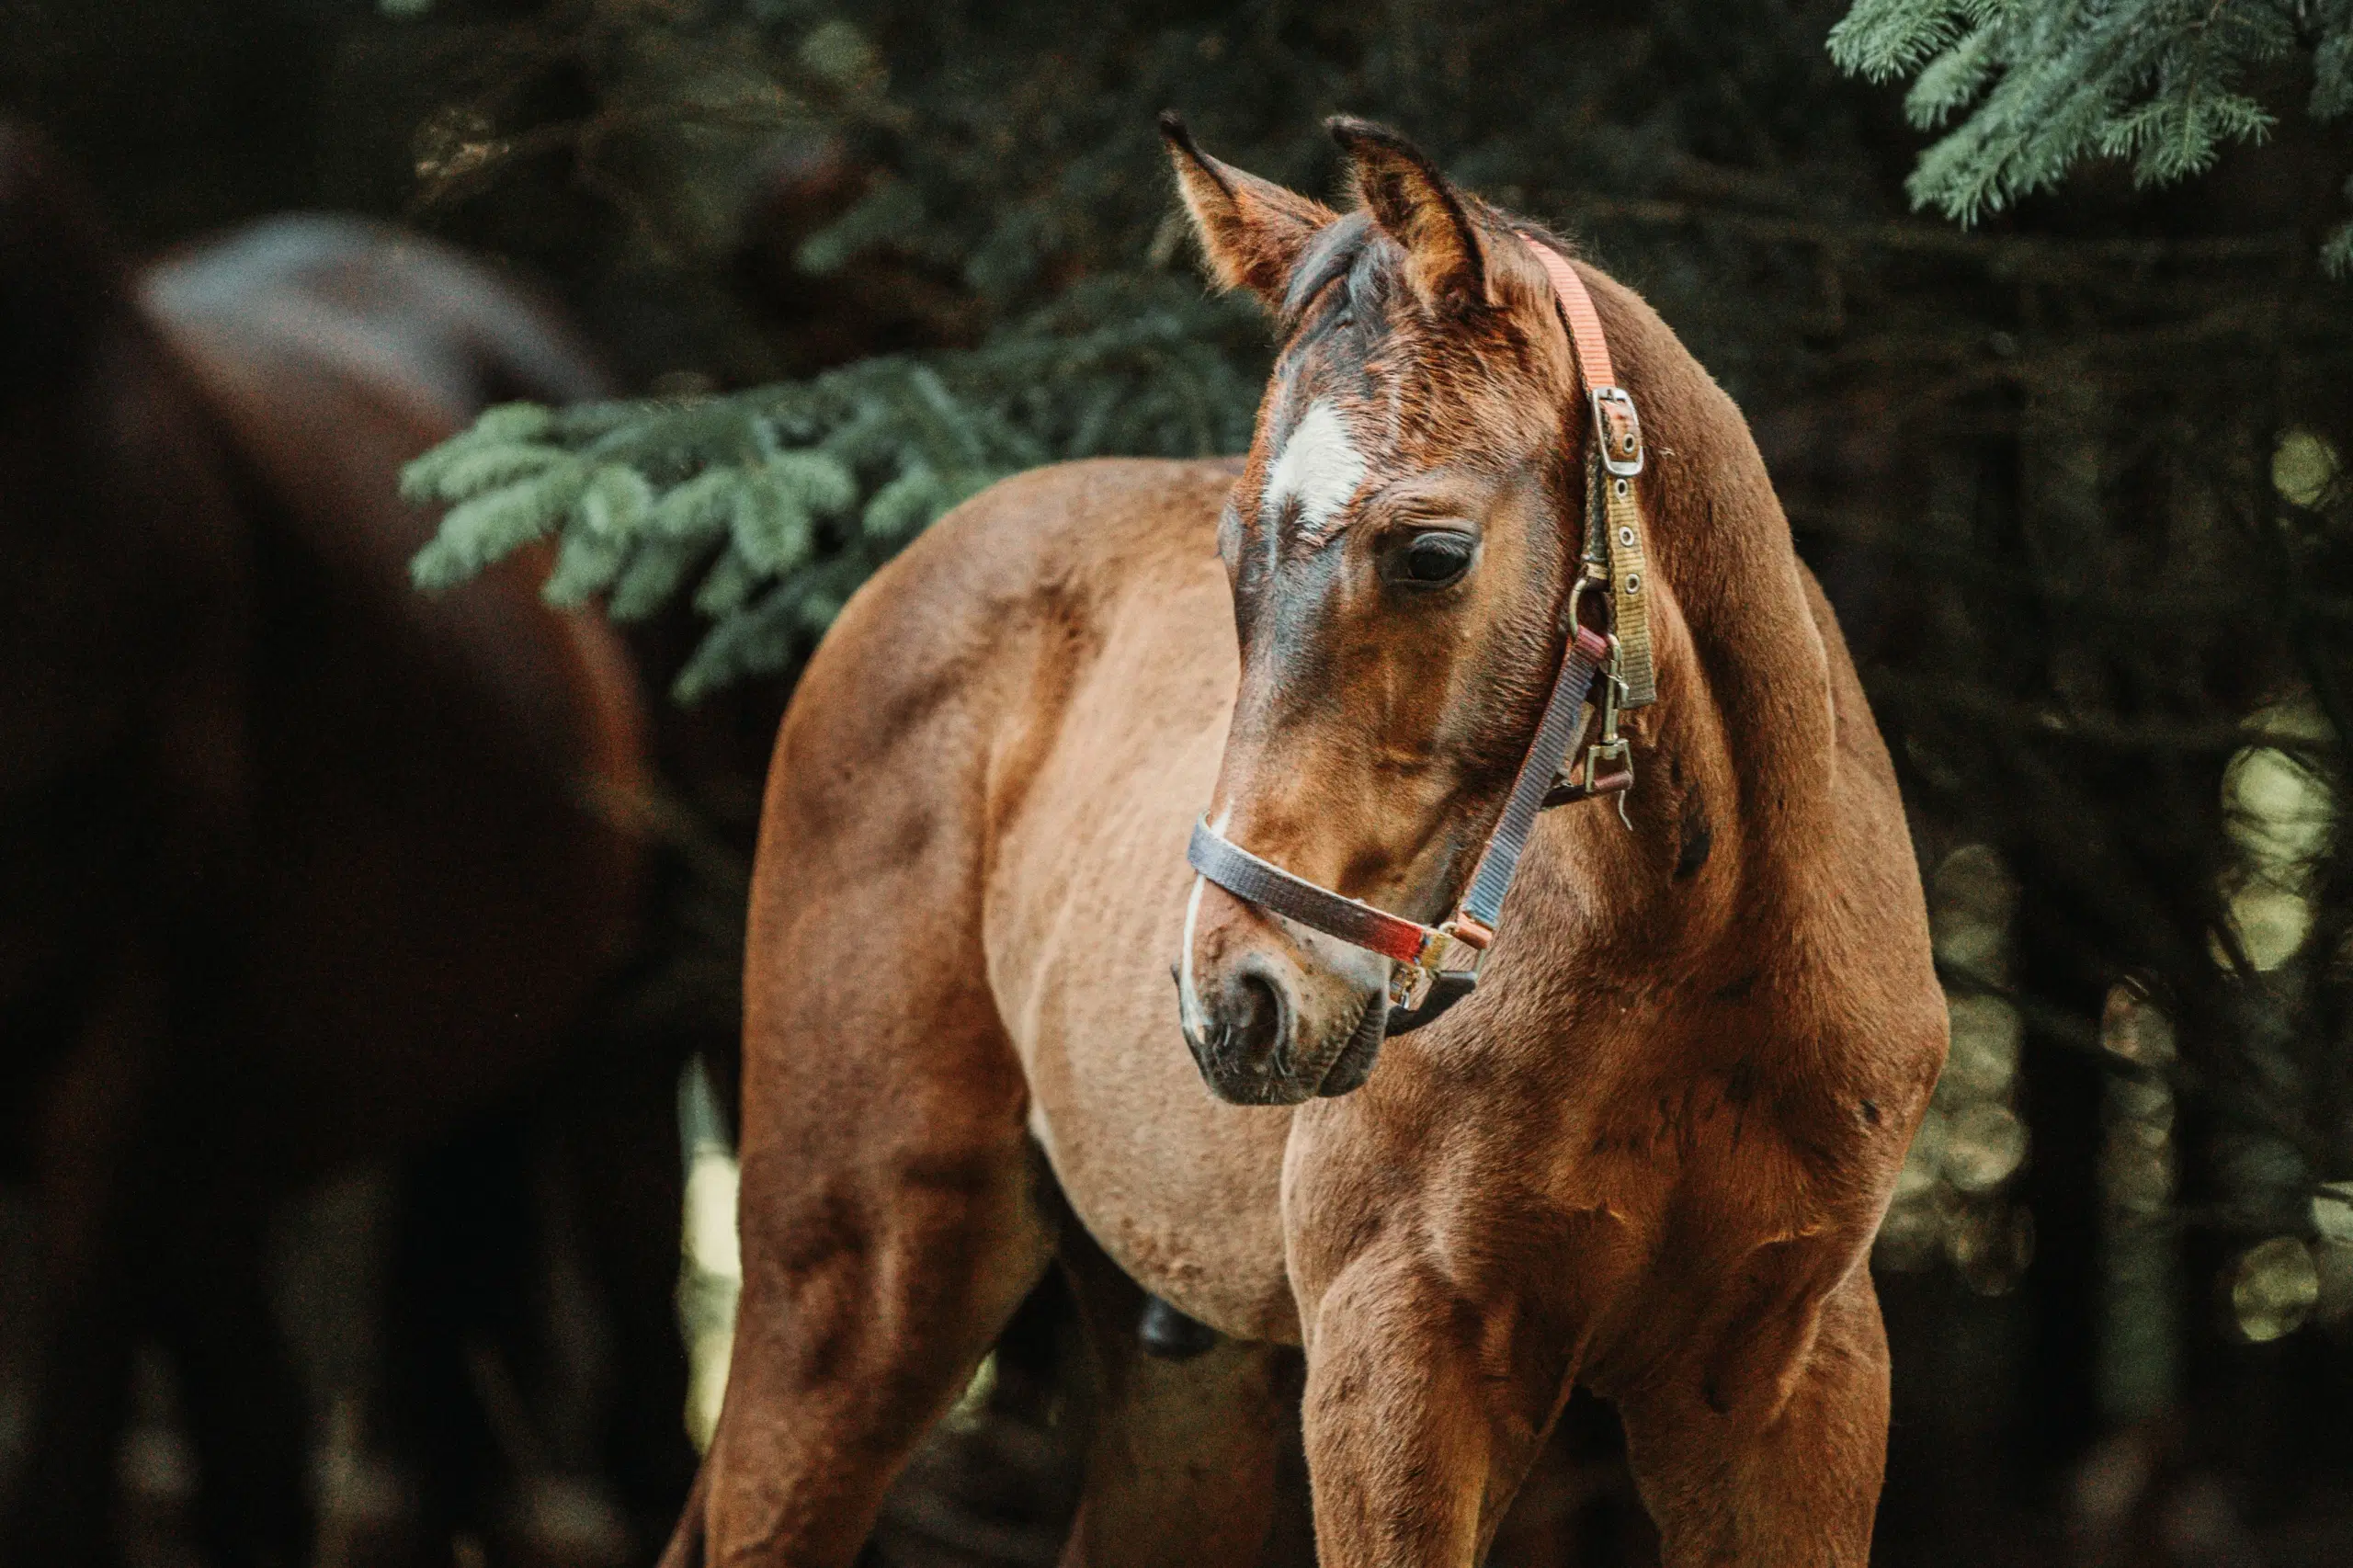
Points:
[(1437, 966)]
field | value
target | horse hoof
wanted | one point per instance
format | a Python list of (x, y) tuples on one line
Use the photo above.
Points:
[(1170, 1334)]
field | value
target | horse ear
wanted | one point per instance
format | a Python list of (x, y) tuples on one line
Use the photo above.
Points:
[(1415, 204), (1252, 229)]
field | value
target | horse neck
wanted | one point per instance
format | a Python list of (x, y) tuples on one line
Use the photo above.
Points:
[(1740, 746), (1753, 696)]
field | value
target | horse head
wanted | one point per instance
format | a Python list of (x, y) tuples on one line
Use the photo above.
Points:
[(1402, 545)]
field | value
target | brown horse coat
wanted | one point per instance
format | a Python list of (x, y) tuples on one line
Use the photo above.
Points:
[(1648, 1155), (295, 866)]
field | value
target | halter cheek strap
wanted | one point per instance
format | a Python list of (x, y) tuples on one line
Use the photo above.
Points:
[(1438, 965), (1615, 458)]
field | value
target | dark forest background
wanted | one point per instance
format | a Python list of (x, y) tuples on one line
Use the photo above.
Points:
[(2071, 474)]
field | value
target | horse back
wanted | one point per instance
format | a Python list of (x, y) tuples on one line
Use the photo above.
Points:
[(444, 785), (985, 625), (330, 352)]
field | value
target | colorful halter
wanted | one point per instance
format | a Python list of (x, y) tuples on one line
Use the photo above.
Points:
[(1437, 966)]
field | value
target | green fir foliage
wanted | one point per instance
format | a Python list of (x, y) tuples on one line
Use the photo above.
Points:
[(776, 503), (2030, 88)]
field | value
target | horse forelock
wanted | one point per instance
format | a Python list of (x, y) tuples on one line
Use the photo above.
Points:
[(1382, 388)]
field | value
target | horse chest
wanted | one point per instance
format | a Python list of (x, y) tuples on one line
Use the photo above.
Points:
[(1623, 1200), (1182, 1191)]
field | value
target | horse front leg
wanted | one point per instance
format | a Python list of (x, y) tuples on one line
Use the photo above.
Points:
[(1424, 1411), (1785, 1472)]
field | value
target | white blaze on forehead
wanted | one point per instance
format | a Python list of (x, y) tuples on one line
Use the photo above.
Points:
[(1319, 467)]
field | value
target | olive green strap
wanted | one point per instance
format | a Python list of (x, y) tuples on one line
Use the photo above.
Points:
[(1618, 440), (1629, 590)]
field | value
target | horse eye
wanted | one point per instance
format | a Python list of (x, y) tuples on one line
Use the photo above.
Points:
[(1431, 559)]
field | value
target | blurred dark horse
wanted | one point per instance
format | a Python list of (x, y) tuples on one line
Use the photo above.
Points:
[(296, 867)]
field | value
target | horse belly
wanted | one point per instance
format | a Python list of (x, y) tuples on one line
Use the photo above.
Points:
[(1084, 913)]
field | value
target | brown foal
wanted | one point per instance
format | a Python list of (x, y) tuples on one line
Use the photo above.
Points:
[(1647, 1154)]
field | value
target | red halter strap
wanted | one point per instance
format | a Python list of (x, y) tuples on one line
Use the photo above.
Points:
[(1425, 975)]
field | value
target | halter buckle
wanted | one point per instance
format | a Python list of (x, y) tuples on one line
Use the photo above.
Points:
[(1420, 990), (1612, 747), (1412, 985), (1618, 430), (1596, 782)]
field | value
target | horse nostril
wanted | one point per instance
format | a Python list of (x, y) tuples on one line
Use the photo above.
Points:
[(1255, 1019)]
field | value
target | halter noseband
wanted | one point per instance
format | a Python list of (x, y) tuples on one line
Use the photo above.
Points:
[(1438, 965)]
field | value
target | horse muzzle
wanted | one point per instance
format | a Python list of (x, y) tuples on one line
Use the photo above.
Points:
[(1275, 1013)]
